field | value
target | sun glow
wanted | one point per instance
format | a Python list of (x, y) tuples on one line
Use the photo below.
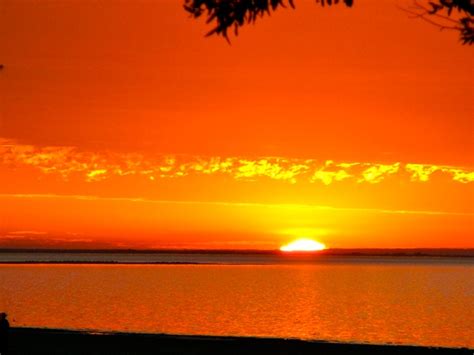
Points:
[(303, 244)]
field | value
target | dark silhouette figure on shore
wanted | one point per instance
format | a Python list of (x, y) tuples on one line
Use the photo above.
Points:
[(4, 328)]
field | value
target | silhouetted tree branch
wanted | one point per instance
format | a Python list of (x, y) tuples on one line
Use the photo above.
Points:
[(439, 14), (233, 14)]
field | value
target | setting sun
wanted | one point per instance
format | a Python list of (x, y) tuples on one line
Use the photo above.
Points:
[(303, 244)]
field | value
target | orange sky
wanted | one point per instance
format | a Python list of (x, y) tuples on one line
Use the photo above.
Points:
[(123, 126)]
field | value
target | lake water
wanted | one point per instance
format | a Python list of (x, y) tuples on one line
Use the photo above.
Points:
[(426, 301)]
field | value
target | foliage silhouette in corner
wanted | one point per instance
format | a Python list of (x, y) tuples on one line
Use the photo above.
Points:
[(226, 15)]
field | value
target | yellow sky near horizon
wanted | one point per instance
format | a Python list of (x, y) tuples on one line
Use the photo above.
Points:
[(121, 125)]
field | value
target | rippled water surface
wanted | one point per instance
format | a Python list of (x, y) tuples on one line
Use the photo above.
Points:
[(430, 303)]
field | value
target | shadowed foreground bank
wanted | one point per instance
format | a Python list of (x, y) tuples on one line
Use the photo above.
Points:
[(51, 341)]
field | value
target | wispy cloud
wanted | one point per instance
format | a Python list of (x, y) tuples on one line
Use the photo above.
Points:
[(423, 172), (377, 172), (13, 240), (331, 172), (69, 162), (27, 233), (231, 204)]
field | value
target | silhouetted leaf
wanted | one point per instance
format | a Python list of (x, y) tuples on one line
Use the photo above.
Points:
[(224, 14)]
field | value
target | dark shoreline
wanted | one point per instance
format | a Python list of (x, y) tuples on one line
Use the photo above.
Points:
[(66, 262), (228, 257), (376, 252), (216, 260), (57, 341), (178, 263)]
